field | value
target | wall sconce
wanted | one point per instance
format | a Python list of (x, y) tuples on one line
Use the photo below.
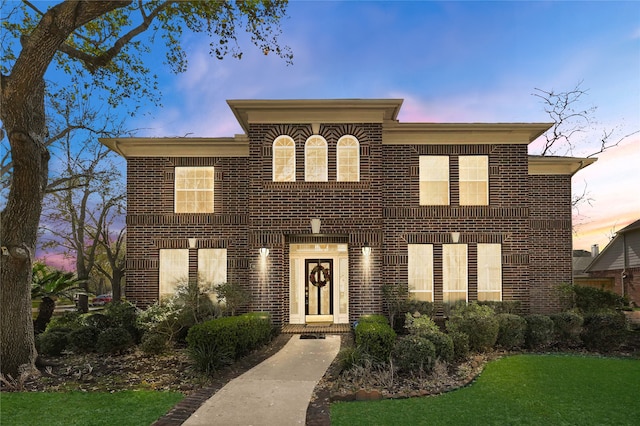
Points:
[(366, 249), (315, 226), (193, 242), (264, 252), (455, 237)]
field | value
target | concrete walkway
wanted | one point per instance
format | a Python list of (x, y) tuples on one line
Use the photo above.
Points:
[(275, 392)]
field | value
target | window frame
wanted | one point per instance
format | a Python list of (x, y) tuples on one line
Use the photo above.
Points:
[(420, 257), (473, 175), (318, 172), (182, 207), (433, 176), (283, 153), (340, 158)]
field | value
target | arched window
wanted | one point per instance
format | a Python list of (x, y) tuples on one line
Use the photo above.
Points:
[(315, 160), (284, 159), (348, 159)]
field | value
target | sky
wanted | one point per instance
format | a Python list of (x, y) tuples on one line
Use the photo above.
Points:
[(450, 62)]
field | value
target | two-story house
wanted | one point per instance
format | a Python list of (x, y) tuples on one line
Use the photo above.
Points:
[(321, 202)]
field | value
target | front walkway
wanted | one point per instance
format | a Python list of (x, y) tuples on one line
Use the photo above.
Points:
[(275, 392)]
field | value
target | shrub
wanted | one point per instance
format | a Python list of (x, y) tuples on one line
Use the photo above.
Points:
[(122, 315), (53, 342), (376, 339), (375, 318), (511, 331), (83, 339), (114, 340), (540, 331), (591, 299), (232, 296), (98, 320), (350, 357), (568, 326), (604, 331), (460, 344), (443, 345), (420, 326), (394, 297), (153, 343), (68, 320), (502, 307), (478, 322), (422, 307), (219, 342), (414, 354)]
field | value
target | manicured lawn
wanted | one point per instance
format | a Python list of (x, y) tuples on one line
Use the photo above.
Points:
[(85, 408), (519, 390)]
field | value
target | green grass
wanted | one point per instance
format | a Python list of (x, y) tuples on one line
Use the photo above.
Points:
[(85, 408), (519, 390)]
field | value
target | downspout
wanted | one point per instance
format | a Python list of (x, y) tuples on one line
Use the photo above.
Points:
[(625, 261)]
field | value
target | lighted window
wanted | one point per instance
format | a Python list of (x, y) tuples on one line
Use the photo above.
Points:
[(315, 160), (212, 266), (174, 270), (474, 180), (454, 273), (434, 180), (194, 189), (420, 271), (284, 159), (489, 272), (348, 159)]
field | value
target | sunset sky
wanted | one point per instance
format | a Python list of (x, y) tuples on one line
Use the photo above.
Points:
[(450, 62)]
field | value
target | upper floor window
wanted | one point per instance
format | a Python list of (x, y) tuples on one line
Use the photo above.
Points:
[(194, 189), (348, 159), (474, 180), (316, 168), (434, 180), (284, 159)]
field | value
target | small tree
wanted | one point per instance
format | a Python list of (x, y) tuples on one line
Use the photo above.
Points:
[(231, 296), (395, 298), (47, 285)]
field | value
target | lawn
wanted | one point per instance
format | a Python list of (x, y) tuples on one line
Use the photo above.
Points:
[(519, 390), (139, 408)]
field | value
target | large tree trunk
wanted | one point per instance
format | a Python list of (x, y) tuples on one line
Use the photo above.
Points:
[(23, 115)]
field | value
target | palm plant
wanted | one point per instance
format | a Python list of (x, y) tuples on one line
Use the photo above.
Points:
[(47, 285)]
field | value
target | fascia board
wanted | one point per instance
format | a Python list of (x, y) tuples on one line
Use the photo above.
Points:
[(237, 146), (542, 165)]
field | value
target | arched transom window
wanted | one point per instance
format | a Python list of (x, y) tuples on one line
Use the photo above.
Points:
[(348, 159), (284, 159), (315, 158)]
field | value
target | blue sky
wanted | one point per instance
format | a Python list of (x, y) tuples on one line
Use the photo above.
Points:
[(450, 62)]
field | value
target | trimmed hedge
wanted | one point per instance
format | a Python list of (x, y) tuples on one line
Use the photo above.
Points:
[(512, 331), (221, 341), (478, 322), (375, 339), (414, 354), (377, 318), (568, 326), (604, 331), (540, 331)]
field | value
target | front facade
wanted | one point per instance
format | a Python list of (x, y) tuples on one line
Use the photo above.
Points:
[(322, 202)]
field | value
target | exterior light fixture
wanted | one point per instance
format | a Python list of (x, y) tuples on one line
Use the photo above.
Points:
[(366, 249), (264, 252), (315, 226), (455, 237), (193, 242)]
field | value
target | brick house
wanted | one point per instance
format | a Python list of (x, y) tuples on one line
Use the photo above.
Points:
[(618, 265), (321, 202)]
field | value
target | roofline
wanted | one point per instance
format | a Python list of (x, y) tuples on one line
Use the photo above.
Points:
[(395, 133), (543, 165), (237, 146), (298, 111)]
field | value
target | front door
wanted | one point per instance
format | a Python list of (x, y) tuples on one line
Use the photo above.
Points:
[(319, 290)]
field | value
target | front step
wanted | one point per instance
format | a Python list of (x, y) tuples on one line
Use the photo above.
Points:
[(316, 328)]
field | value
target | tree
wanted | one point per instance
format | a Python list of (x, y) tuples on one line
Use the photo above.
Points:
[(572, 124), (49, 284), (102, 41)]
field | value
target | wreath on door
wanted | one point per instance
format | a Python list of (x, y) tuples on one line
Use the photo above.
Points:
[(319, 276)]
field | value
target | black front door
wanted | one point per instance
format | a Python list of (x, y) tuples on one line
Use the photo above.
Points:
[(319, 287)]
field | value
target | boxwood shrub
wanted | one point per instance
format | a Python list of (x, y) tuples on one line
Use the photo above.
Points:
[(568, 326), (375, 339), (478, 322), (414, 354), (512, 331), (83, 339), (215, 343), (540, 331), (604, 331)]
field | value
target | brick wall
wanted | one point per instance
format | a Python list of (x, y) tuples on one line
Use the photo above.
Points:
[(530, 216)]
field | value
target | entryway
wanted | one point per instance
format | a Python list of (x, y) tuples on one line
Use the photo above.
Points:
[(319, 284)]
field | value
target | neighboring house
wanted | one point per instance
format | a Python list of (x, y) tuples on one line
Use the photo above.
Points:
[(322, 202), (581, 260), (619, 262)]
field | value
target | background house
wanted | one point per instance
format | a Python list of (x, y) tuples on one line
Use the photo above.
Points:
[(454, 211), (619, 263)]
